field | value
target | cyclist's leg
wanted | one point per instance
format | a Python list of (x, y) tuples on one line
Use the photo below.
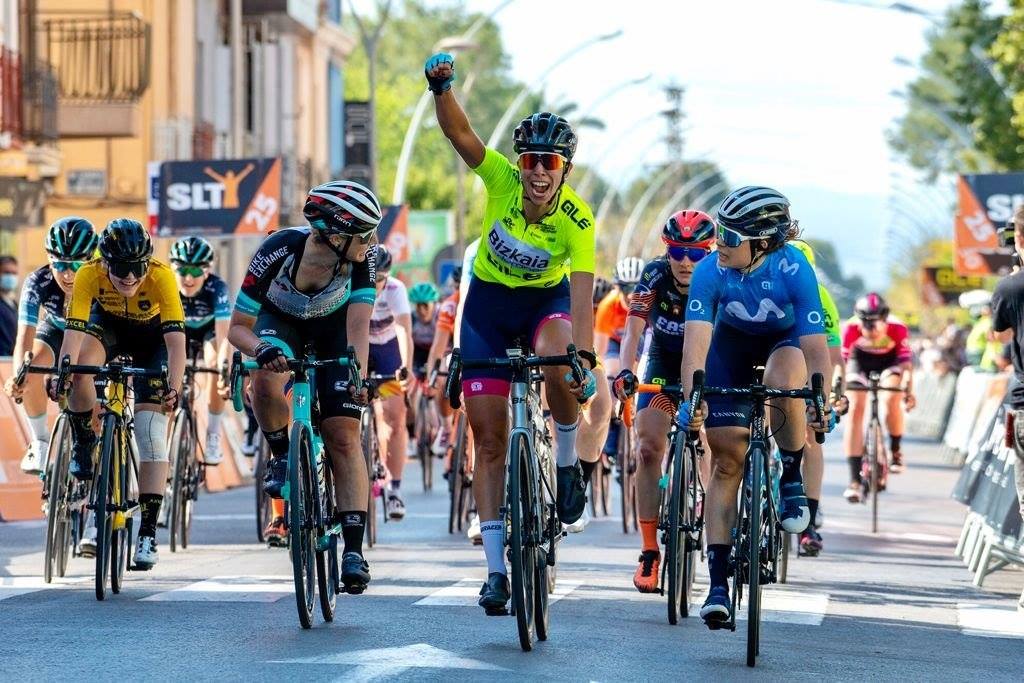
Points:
[(728, 448), (215, 404), (652, 424), (813, 471), (894, 415), (34, 399), (853, 434), (612, 365), (593, 430), (394, 437), (82, 401), (269, 401), (786, 369)]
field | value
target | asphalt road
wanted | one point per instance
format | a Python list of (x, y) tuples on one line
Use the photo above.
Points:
[(896, 605)]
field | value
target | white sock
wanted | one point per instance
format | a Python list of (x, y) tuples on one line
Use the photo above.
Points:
[(493, 534), (565, 444), (40, 430), (213, 423)]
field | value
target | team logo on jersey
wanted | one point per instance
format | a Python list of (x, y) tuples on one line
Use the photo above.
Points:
[(144, 304), (814, 318), (260, 262), (516, 253), (788, 268), (764, 309)]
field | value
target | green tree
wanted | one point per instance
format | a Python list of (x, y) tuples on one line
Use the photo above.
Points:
[(844, 289)]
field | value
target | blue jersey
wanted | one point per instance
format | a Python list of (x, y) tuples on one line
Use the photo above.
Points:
[(210, 303), (781, 295), (41, 293)]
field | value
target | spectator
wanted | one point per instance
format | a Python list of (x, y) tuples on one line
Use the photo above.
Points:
[(1008, 324), (8, 303)]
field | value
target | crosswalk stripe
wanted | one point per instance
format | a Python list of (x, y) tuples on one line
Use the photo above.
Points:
[(780, 605), (465, 593), (990, 621), (11, 586), (229, 589)]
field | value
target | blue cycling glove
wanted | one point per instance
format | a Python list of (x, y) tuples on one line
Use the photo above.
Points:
[(683, 415), (439, 85), (589, 384)]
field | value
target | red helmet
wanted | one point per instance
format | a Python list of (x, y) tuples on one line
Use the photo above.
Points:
[(688, 228), (871, 306)]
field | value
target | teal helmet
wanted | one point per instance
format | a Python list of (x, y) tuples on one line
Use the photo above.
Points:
[(71, 238), (192, 251), (423, 293)]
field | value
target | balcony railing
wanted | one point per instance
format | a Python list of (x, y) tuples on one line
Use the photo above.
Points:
[(106, 59), (10, 97), (39, 103)]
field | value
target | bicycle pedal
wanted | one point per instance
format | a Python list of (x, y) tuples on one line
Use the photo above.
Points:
[(354, 588), (497, 611), (139, 567)]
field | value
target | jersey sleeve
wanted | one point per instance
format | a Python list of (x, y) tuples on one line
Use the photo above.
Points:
[(446, 313), (221, 300), (604, 319), (900, 336), (851, 333), (583, 241), (28, 305), (261, 271), (399, 297), (86, 289), (172, 313), (704, 292), (498, 174), (828, 307), (642, 299), (1003, 311), (364, 280), (804, 293)]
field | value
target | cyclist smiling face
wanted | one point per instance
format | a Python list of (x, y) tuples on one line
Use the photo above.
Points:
[(64, 273), (189, 283), (542, 174), (127, 278)]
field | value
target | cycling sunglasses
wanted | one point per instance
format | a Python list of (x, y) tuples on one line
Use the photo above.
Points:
[(194, 271), (549, 160), (693, 253), (61, 266), (122, 269), (732, 239)]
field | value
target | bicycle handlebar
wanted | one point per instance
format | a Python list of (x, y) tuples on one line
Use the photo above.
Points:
[(521, 361), (239, 368)]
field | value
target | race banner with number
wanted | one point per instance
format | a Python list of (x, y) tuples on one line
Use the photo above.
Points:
[(986, 203), (220, 196)]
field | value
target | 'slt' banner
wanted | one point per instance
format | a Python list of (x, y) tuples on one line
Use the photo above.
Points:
[(986, 202), (220, 196)]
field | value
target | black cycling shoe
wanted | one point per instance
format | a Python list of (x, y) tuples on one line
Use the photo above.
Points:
[(717, 609), (495, 594), (81, 460), (276, 475), (572, 493), (355, 573)]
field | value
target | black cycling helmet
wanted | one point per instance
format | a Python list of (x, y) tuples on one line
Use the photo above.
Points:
[(544, 132), (756, 211), (601, 289), (383, 258), (125, 239), (192, 251), (71, 238)]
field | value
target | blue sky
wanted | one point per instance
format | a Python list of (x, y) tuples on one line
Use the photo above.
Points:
[(794, 94)]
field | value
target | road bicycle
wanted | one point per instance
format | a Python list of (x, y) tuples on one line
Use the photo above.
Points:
[(875, 464), (428, 420), (187, 473), (758, 535), (626, 463), (681, 510), (375, 466), (532, 527), (313, 525)]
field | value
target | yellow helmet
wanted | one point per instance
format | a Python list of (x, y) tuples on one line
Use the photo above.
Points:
[(804, 249)]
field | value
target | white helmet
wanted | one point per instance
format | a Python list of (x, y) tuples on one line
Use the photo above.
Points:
[(629, 270)]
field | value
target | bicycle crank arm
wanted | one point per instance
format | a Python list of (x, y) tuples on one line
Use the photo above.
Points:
[(324, 542)]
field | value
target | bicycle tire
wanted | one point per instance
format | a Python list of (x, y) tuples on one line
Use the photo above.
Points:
[(101, 503), (421, 431), (327, 577), (192, 479), (522, 550), (456, 483), (691, 541), (675, 542), (627, 473), (370, 454), (264, 504), (757, 467), (59, 485), (872, 453), (301, 533), (785, 549), (121, 538), (179, 466)]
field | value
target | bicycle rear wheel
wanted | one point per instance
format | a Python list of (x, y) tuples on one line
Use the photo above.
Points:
[(675, 541), (522, 508), (757, 496), (103, 500), (423, 442), (179, 471), (301, 525), (456, 481), (369, 442), (327, 575), (60, 488), (692, 529)]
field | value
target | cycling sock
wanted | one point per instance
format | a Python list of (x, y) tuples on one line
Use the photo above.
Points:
[(812, 505), (396, 484), (276, 508), (278, 442), (649, 534), (718, 564), (611, 443), (493, 534), (565, 443), (353, 526), (81, 425), (855, 464), (791, 465), (213, 423), (40, 430), (588, 469), (894, 443), (150, 505)]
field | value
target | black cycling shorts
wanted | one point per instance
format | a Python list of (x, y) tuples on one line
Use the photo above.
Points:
[(51, 335), (143, 342)]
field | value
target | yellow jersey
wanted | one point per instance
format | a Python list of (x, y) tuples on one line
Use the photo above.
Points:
[(157, 297)]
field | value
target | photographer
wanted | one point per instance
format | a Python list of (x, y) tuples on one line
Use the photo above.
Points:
[(1008, 324)]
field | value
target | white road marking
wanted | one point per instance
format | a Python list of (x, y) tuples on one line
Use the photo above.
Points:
[(781, 606), (11, 586), (385, 662), (465, 593), (230, 589), (990, 621)]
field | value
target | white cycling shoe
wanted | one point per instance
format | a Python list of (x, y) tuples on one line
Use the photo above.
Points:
[(580, 524), (32, 462), (473, 532), (212, 454), (146, 555), (87, 545)]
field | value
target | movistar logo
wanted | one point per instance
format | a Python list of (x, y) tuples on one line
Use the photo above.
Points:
[(764, 309)]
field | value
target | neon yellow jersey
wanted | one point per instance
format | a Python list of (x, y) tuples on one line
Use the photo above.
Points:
[(541, 254), (831, 313)]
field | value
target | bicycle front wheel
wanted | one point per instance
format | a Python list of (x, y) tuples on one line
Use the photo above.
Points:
[(421, 432), (103, 502), (753, 550), (627, 474), (60, 489), (873, 454), (456, 482), (301, 524), (327, 574), (675, 542), (369, 441), (178, 449), (522, 497)]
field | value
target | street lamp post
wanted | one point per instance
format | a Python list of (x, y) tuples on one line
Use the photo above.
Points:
[(669, 207), (962, 133), (591, 173)]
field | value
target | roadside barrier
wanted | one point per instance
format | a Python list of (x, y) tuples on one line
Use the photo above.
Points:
[(934, 402), (21, 494), (978, 395)]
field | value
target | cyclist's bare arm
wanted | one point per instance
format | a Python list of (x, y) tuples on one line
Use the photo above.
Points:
[(438, 348), (72, 344), (175, 341), (818, 359), (357, 327), (455, 124), (22, 343), (220, 340), (581, 307), (635, 327), (405, 347), (696, 343), (240, 333), (835, 355), (601, 344)]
